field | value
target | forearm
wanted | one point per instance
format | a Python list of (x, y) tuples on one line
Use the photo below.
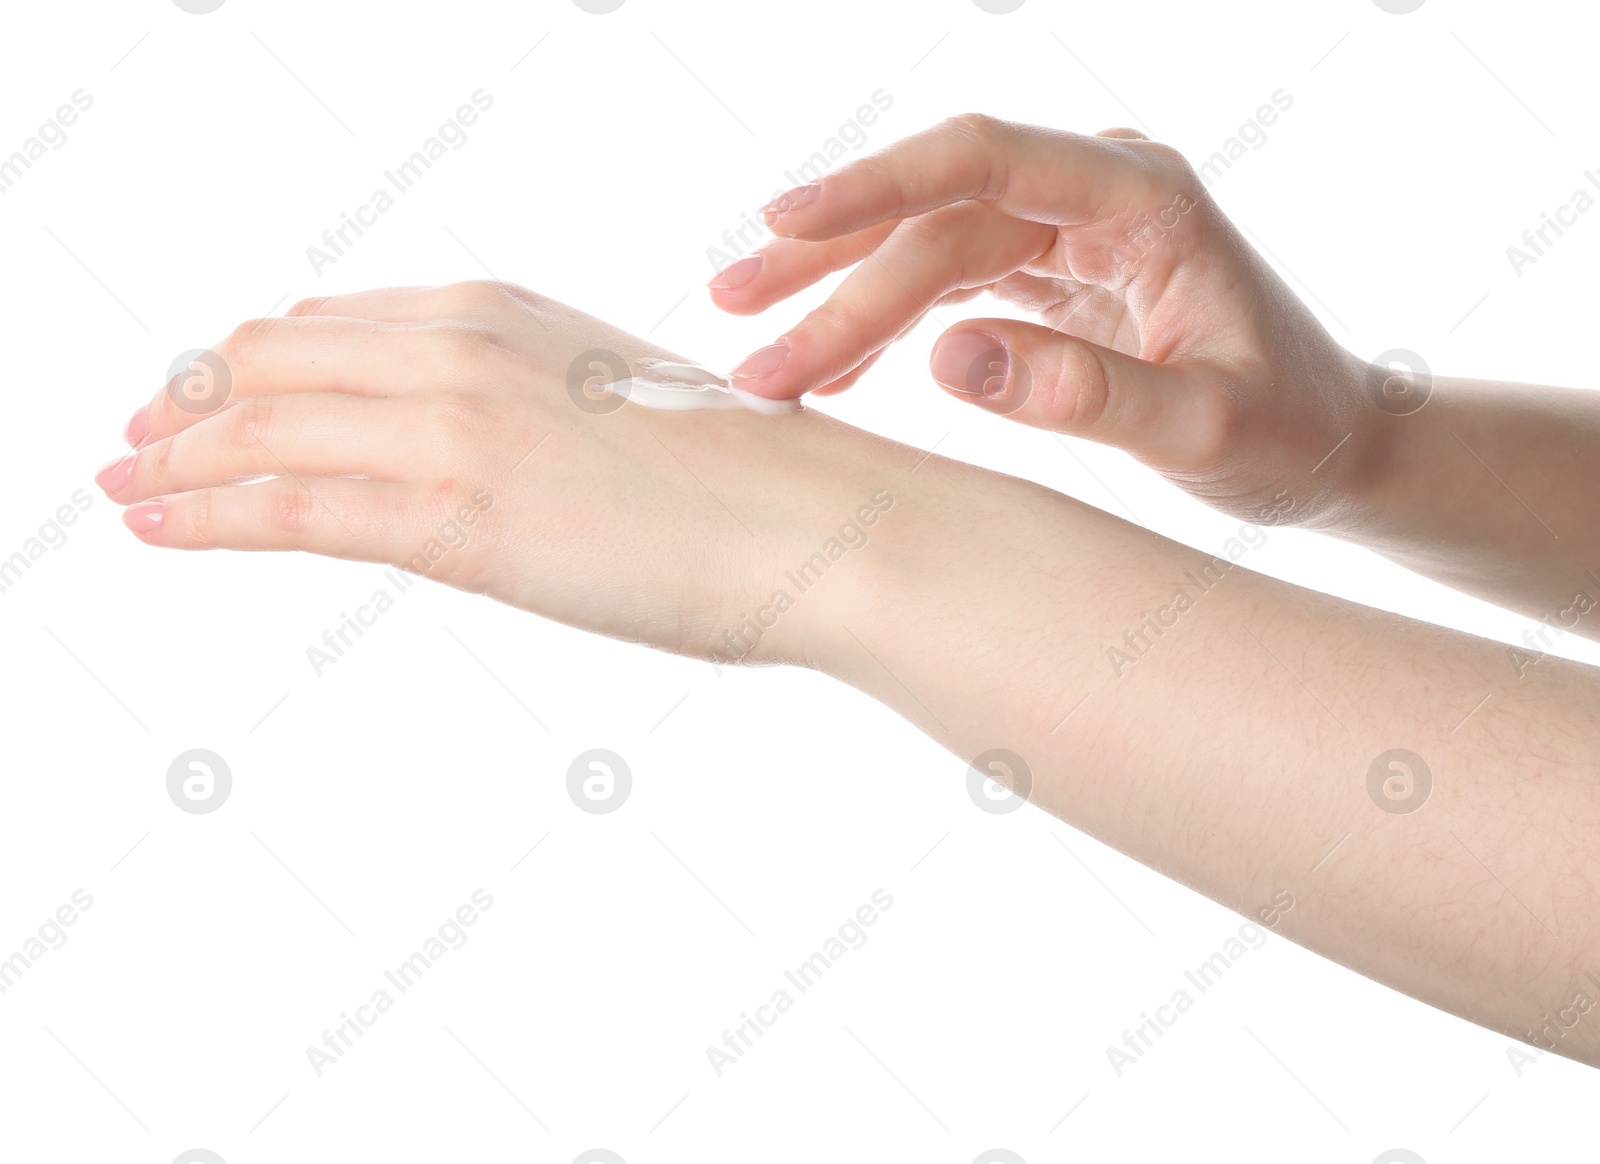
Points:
[(1232, 750), (1489, 488)]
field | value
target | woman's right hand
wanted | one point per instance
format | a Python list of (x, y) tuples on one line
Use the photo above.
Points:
[(1164, 333)]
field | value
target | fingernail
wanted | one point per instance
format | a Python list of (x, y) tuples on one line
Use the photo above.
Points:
[(973, 363), (144, 517), (115, 473), (793, 200), (135, 431), (762, 362), (736, 275)]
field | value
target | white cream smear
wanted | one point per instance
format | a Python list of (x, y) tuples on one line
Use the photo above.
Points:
[(668, 385)]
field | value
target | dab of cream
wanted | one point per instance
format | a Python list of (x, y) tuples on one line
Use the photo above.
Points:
[(667, 385)]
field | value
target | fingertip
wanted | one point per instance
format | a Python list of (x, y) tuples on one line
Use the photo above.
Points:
[(144, 518), (138, 424), (756, 371), (788, 202), (970, 362), (736, 302), (114, 475), (738, 274)]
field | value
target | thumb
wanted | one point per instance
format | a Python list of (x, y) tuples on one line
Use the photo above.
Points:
[(1068, 385)]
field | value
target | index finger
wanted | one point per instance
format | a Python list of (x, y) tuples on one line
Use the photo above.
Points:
[(1048, 176)]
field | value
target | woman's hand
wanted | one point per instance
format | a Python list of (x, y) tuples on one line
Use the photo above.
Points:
[(457, 432), (1165, 334)]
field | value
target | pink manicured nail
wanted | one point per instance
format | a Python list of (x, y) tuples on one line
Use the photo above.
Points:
[(144, 517), (736, 275), (115, 473), (792, 200), (136, 429), (973, 363), (762, 362)]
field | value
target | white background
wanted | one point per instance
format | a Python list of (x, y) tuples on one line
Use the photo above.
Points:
[(369, 803)]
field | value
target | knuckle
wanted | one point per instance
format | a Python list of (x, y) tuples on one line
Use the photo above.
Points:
[(981, 126), (236, 427), (255, 418), (1168, 161), (482, 295), (201, 514), (247, 335), (474, 294), (464, 347), (833, 323), (446, 496), (1081, 391), (154, 464), (461, 418), (1171, 173), (924, 233), (980, 145), (288, 509)]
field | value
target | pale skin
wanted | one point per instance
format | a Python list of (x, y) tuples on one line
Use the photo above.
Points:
[(1233, 755)]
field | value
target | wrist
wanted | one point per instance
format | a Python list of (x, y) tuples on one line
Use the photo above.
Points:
[(834, 510), (1372, 415), (1388, 429)]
